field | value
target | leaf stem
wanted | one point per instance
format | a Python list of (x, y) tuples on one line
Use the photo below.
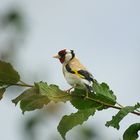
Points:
[(112, 106), (119, 105), (137, 110), (22, 84), (123, 106), (105, 104)]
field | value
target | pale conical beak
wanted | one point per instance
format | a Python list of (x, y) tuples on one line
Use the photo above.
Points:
[(56, 56)]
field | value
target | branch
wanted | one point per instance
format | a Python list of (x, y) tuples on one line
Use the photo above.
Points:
[(105, 104), (23, 84), (16, 84), (112, 106)]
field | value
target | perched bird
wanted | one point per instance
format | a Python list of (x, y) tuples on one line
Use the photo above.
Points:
[(74, 72)]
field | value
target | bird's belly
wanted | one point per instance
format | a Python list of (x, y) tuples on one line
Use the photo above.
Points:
[(72, 79)]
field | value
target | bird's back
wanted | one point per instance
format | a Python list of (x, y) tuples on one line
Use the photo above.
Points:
[(76, 64)]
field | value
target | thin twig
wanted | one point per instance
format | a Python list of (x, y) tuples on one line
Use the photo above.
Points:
[(22, 85), (105, 104), (112, 106), (17, 84), (123, 106), (23, 82), (119, 105), (137, 110)]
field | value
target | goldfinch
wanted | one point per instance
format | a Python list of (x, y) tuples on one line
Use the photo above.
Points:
[(74, 72)]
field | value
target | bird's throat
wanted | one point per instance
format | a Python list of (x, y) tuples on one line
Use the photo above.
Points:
[(62, 60)]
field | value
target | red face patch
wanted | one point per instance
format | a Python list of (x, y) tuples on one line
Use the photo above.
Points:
[(62, 54), (62, 60)]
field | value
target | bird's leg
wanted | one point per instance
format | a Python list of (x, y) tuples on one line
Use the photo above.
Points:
[(68, 90), (87, 91)]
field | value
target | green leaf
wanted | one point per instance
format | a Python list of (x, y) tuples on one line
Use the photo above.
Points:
[(79, 102), (31, 99), (2, 90), (132, 132), (120, 115), (39, 95), (53, 92), (68, 122), (101, 97), (33, 102), (26, 94), (103, 93), (7, 74)]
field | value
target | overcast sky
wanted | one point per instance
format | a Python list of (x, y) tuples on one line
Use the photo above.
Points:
[(105, 35)]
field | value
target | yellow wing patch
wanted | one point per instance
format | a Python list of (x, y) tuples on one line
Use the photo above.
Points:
[(78, 74)]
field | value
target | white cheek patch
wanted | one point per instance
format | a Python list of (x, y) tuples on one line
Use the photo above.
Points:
[(68, 51), (68, 57)]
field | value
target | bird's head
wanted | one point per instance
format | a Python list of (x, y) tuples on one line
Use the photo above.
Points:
[(65, 55)]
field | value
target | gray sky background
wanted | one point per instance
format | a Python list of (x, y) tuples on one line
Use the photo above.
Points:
[(105, 35)]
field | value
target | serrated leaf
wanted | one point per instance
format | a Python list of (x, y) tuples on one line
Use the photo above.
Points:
[(31, 99), (79, 102), (100, 99), (68, 122), (26, 94), (53, 92), (132, 132), (2, 90), (120, 115), (8, 75), (103, 93), (33, 102)]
